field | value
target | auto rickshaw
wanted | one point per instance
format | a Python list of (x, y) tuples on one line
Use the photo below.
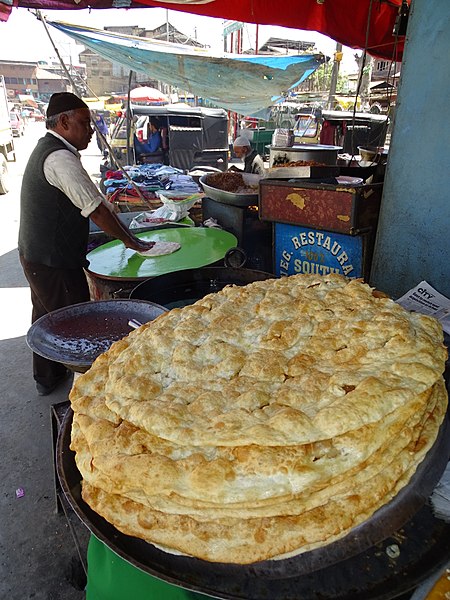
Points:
[(191, 136)]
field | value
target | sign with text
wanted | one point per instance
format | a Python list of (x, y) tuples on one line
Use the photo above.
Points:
[(305, 250), (231, 27)]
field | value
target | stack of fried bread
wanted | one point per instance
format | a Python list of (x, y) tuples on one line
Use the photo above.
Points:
[(262, 421)]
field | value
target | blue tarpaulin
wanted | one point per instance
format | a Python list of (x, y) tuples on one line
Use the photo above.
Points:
[(246, 84)]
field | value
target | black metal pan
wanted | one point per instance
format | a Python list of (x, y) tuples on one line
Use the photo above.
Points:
[(77, 334), (185, 287), (390, 554)]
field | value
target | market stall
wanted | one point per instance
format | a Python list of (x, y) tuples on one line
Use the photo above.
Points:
[(388, 553)]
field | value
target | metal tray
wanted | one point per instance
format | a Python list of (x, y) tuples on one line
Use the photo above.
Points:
[(77, 334), (230, 197), (357, 567)]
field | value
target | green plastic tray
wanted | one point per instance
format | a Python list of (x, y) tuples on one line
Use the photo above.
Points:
[(200, 246)]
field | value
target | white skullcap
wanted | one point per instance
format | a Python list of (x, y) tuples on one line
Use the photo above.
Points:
[(241, 141)]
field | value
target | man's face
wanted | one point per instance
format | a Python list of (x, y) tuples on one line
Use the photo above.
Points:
[(76, 128), (240, 151)]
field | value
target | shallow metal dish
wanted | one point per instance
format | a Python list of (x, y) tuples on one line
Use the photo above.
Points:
[(77, 334), (231, 197)]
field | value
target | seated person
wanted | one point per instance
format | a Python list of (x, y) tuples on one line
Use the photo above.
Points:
[(253, 163), (150, 151)]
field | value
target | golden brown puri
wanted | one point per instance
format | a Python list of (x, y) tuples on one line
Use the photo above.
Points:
[(249, 540), (157, 481), (261, 421)]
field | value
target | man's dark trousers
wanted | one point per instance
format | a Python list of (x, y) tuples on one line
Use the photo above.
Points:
[(52, 289)]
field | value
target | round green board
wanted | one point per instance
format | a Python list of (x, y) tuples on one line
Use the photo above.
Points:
[(200, 246)]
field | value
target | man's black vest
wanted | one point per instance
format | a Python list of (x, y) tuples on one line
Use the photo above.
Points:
[(52, 230)]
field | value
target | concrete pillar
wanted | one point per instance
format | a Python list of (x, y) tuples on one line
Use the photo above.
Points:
[(413, 239)]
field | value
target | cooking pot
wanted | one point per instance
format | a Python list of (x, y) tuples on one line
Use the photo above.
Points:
[(186, 287), (321, 153)]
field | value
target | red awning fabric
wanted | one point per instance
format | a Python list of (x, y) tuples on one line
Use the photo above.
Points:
[(345, 21)]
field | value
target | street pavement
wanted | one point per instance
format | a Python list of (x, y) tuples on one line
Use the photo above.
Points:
[(38, 555)]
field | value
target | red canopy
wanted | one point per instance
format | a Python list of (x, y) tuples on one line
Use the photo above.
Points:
[(345, 21)]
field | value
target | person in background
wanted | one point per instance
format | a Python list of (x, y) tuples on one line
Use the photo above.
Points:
[(57, 199), (150, 151), (253, 163), (154, 141), (103, 128)]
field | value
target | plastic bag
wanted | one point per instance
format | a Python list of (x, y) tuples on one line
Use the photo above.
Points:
[(147, 218), (177, 204)]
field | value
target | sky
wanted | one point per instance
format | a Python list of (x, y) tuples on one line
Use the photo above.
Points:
[(23, 37)]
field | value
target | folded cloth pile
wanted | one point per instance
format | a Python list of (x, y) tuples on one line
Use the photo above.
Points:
[(262, 421), (182, 183), (150, 178)]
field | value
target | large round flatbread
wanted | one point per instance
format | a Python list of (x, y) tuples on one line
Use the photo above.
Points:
[(277, 362), (261, 421), (160, 249)]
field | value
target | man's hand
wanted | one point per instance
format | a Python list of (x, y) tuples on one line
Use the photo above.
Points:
[(110, 223), (139, 245)]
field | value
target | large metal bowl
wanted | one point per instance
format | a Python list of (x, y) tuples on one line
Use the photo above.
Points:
[(77, 334), (235, 199)]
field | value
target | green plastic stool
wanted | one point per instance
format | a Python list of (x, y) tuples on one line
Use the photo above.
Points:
[(112, 578)]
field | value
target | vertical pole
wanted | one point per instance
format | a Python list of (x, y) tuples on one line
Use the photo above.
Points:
[(256, 40), (167, 24), (334, 75), (130, 133)]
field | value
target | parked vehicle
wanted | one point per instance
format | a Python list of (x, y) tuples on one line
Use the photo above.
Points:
[(17, 124), (6, 138), (191, 136), (313, 126)]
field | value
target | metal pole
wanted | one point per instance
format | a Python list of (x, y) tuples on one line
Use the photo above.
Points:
[(94, 124), (334, 75), (128, 116)]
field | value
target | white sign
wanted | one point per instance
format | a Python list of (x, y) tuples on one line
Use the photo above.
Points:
[(428, 301)]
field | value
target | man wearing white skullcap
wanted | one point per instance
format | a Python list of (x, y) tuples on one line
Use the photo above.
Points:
[(253, 163)]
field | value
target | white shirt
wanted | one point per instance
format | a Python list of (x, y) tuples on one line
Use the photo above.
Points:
[(63, 169)]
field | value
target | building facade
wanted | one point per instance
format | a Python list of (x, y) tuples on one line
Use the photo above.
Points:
[(37, 79), (105, 77)]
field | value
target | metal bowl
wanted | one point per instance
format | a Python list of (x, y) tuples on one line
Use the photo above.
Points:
[(77, 334), (370, 153), (233, 198)]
